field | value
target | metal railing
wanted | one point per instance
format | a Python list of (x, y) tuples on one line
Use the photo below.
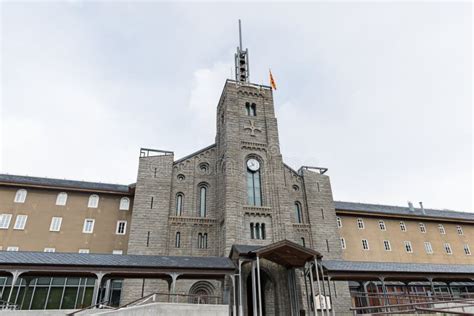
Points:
[(392, 303)]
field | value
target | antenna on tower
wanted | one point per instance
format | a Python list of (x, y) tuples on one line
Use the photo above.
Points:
[(241, 61)]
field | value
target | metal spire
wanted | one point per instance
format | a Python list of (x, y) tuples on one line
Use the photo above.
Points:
[(241, 61)]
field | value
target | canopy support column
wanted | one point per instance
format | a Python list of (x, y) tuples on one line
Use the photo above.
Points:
[(312, 286), (241, 308), (254, 289), (15, 275), (259, 288), (97, 286)]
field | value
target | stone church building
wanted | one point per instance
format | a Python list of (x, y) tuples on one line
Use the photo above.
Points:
[(229, 224)]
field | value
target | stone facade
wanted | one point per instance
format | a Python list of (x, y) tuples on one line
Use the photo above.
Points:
[(169, 198)]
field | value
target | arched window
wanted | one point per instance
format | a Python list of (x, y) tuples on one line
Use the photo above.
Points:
[(250, 109), (93, 201), (179, 204), (257, 231), (124, 204), (202, 200), (254, 190), (20, 196), (61, 199), (262, 231), (252, 231), (298, 212), (177, 243), (204, 242), (303, 243)]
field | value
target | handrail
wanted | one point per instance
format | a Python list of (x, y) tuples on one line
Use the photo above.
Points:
[(103, 304), (170, 295)]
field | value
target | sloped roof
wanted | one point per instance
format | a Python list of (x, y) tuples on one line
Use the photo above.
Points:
[(400, 210), (108, 260), (62, 183), (362, 266)]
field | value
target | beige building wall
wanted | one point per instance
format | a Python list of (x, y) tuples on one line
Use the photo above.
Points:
[(40, 206), (375, 236)]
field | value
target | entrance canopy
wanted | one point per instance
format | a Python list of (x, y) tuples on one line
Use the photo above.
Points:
[(284, 252)]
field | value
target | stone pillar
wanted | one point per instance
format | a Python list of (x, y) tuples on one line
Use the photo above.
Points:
[(97, 286)]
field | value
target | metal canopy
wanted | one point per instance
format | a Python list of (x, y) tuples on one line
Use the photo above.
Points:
[(284, 252)]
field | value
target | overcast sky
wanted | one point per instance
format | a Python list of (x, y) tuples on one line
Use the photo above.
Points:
[(378, 93)]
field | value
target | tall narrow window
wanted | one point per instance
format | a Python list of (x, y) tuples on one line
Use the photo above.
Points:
[(5, 220), (386, 245), (343, 243), (179, 204), (447, 248), (20, 222), (254, 190), (422, 228), (263, 233), (365, 244), (459, 229), (55, 224), (199, 240), (252, 231), (257, 231), (121, 228), (441, 229), (360, 223), (88, 226), (382, 225), (61, 199), (250, 109), (298, 213), (93, 201), (204, 242), (202, 201), (303, 243), (467, 251), (124, 204), (177, 242), (403, 227), (428, 248), (408, 247), (20, 196), (339, 222)]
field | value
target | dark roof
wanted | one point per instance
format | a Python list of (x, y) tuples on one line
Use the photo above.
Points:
[(244, 249), (400, 210), (66, 184), (109, 260), (361, 266)]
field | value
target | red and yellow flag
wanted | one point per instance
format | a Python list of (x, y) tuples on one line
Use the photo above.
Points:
[(272, 81)]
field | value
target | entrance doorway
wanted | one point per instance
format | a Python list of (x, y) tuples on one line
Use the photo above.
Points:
[(268, 295)]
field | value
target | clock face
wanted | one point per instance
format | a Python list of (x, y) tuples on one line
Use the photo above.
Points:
[(253, 164)]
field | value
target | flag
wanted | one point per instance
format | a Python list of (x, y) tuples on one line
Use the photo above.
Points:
[(272, 81)]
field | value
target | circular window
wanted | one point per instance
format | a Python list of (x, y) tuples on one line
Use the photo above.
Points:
[(296, 188), (181, 177), (204, 167)]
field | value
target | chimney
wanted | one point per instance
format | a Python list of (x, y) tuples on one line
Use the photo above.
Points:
[(410, 206), (422, 208)]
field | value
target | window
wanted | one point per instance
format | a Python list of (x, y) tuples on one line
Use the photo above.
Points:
[(83, 250), (177, 242), (55, 224), (202, 241), (422, 228), (12, 248), (298, 213), (459, 229), (467, 251), (49, 249), (447, 248), (339, 222), (93, 201), (254, 190), (20, 196), (251, 109), (202, 200), (61, 199), (117, 252), (20, 222), (88, 226), (408, 247), (382, 225), (360, 223), (5, 221), (387, 246), (121, 228), (179, 204), (124, 204), (403, 227), (365, 244), (257, 231), (303, 243), (441, 229), (343, 243), (428, 248)]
